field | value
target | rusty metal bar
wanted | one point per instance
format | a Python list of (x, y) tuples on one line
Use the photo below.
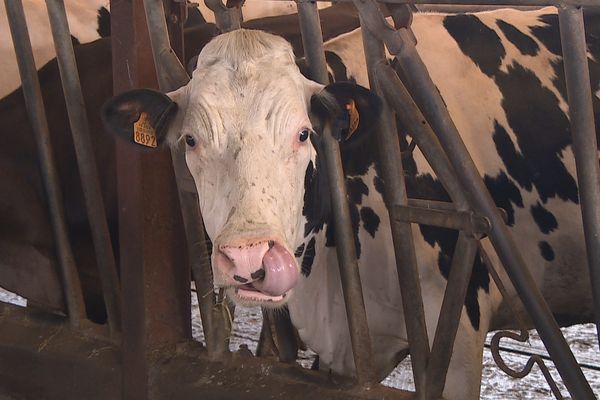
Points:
[(583, 130), (171, 76), (155, 276), (460, 220), (37, 116), (312, 40), (431, 104), (449, 319), (86, 161), (395, 195)]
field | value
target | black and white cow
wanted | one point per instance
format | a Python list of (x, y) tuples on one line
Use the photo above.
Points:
[(252, 123)]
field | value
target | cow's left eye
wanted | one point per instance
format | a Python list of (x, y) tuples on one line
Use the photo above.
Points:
[(190, 141), (303, 134)]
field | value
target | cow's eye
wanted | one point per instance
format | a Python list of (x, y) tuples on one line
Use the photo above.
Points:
[(190, 141), (303, 134)]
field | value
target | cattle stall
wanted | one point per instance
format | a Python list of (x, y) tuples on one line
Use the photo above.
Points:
[(144, 348)]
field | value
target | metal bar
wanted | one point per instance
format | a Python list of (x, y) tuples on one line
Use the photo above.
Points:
[(431, 104), (86, 161), (395, 194), (171, 76), (449, 319), (583, 130), (37, 116), (460, 220), (312, 40), (155, 276)]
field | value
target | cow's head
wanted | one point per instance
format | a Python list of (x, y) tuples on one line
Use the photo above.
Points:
[(252, 125)]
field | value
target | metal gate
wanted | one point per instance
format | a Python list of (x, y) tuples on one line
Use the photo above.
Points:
[(148, 310)]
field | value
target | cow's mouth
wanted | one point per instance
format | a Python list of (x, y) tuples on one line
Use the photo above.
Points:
[(249, 294)]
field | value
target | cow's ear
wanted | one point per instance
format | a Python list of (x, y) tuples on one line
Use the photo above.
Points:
[(141, 117), (352, 109)]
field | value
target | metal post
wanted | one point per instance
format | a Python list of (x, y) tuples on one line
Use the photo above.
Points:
[(86, 161), (154, 271), (312, 41), (395, 194), (171, 76), (583, 131), (37, 116)]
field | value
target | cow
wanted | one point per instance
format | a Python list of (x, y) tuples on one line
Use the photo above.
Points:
[(28, 264), (253, 126)]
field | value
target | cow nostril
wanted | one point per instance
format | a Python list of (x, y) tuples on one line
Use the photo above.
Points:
[(240, 279), (271, 244), (258, 274)]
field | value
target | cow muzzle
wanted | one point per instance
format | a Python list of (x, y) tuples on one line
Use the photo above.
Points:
[(257, 272)]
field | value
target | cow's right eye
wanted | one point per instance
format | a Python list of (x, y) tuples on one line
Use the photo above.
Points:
[(190, 141)]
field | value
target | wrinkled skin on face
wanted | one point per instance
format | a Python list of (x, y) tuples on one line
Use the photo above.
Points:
[(246, 115)]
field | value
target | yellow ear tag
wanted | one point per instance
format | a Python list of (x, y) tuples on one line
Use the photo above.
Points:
[(354, 118), (143, 132)]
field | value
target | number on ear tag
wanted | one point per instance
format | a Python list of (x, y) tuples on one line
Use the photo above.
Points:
[(354, 118), (143, 132)]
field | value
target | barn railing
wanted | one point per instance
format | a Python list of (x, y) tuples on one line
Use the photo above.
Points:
[(413, 98), (456, 170)]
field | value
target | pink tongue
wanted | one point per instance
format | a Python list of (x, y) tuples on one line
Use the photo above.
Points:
[(281, 273)]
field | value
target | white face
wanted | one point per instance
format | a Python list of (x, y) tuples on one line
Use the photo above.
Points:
[(246, 125)]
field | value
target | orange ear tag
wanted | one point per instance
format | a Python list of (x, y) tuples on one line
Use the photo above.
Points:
[(354, 118), (143, 132)]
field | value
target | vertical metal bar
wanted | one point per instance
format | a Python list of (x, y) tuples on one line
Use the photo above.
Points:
[(431, 104), (171, 75), (449, 319), (585, 147), (395, 194), (312, 41), (37, 116), (154, 270), (86, 161)]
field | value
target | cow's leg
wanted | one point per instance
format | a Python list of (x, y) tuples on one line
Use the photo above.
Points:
[(464, 373)]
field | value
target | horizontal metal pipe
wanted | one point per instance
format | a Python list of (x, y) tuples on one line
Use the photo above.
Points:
[(50, 178), (446, 206), (312, 40), (86, 161), (460, 220), (585, 147)]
